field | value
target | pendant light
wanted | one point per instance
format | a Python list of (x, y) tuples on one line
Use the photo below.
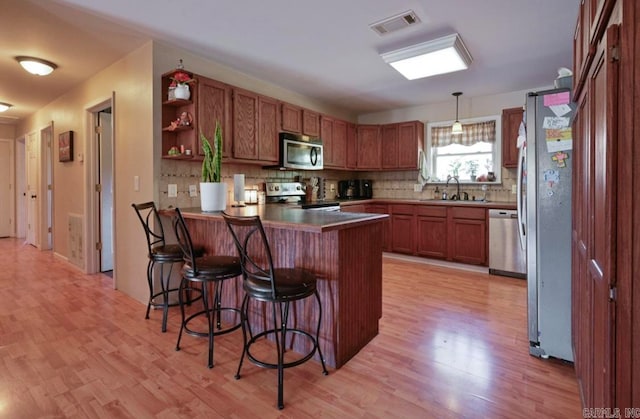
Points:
[(456, 128)]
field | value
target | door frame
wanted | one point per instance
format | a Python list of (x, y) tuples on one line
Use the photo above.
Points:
[(92, 201)]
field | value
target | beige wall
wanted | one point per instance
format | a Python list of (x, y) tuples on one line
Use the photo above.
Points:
[(7, 132), (131, 80)]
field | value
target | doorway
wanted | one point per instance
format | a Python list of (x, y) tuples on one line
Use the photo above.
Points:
[(6, 187), (104, 159), (32, 160)]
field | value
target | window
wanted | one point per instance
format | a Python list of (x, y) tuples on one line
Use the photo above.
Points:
[(470, 155)]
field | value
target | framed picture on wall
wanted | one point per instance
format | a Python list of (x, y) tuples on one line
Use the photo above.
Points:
[(65, 146)]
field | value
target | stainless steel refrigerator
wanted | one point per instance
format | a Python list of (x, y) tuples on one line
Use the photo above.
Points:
[(545, 220)]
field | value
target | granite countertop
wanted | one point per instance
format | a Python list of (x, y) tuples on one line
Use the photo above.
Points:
[(482, 204), (292, 217)]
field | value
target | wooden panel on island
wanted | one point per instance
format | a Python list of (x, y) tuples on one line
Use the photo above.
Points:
[(326, 244)]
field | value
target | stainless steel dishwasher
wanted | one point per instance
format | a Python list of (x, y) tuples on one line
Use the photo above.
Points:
[(506, 255)]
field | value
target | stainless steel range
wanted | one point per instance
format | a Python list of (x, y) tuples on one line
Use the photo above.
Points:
[(293, 193)]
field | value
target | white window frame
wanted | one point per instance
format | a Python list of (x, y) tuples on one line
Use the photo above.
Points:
[(497, 149)]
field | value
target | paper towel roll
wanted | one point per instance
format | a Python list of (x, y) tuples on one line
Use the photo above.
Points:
[(238, 187)]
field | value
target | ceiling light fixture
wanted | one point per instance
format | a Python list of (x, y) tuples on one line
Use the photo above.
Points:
[(4, 106), (456, 128), (440, 56), (36, 66)]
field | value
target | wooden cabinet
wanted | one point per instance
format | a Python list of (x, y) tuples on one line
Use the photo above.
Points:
[(291, 118), (214, 105), (255, 127), (386, 224), (389, 138), (339, 144), (403, 228), (605, 307), (326, 134), (431, 230), (401, 143), (410, 142), (352, 146), (178, 135), (268, 123), (467, 235), (511, 119), (368, 147), (310, 123)]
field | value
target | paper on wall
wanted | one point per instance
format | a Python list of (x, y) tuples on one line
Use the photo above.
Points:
[(560, 110)]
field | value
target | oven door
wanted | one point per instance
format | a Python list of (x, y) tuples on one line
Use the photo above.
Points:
[(301, 155)]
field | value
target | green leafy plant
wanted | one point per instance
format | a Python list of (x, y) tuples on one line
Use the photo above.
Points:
[(211, 165), (472, 167)]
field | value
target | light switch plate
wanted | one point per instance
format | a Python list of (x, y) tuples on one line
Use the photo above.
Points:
[(172, 190), (514, 189), (193, 191), (136, 183)]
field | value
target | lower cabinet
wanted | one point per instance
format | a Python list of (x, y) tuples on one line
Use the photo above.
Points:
[(453, 233), (467, 235), (403, 228), (431, 231)]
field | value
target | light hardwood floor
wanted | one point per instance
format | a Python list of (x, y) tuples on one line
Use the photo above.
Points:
[(452, 344)]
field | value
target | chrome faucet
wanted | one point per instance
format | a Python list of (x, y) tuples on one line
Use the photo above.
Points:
[(455, 197)]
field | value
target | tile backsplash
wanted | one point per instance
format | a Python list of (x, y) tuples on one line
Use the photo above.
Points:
[(397, 184)]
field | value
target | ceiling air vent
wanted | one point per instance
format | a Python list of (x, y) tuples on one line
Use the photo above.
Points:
[(394, 23)]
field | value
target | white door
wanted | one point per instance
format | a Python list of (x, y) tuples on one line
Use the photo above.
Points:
[(105, 147), (33, 159), (5, 188), (21, 188)]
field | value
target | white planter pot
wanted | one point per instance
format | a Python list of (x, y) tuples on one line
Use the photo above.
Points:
[(213, 196), (182, 92)]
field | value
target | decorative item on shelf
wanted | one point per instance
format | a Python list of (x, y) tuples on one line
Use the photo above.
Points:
[(179, 87), (491, 176), (185, 119), (213, 192), (173, 151)]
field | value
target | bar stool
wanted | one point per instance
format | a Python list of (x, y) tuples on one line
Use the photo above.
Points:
[(159, 252), (279, 286), (206, 271)]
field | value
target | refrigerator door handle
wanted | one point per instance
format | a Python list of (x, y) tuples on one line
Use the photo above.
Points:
[(519, 192)]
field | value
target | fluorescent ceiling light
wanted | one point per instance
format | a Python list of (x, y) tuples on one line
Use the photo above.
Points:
[(440, 56), (4, 106), (36, 66)]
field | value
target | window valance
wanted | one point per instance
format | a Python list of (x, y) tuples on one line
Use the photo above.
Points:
[(471, 134)]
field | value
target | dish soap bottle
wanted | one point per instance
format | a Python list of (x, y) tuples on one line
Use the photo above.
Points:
[(436, 193)]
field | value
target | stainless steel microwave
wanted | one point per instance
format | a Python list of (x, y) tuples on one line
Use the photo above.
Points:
[(300, 152)]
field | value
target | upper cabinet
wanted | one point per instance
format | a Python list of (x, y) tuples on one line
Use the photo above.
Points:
[(511, 119), (333, 133), (368, 147), (410, 142), (291, 118), (401, 143), (255, 127), (214, 105), (310, 123)]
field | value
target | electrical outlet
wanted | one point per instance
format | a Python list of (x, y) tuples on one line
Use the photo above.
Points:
[(417, 187), (193, 192), (172, 191), (514, 189)]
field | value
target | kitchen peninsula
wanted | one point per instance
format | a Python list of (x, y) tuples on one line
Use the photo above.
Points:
[(330, 244)]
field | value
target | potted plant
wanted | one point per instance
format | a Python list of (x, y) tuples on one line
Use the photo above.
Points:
[(213, 192), (472, 168)]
